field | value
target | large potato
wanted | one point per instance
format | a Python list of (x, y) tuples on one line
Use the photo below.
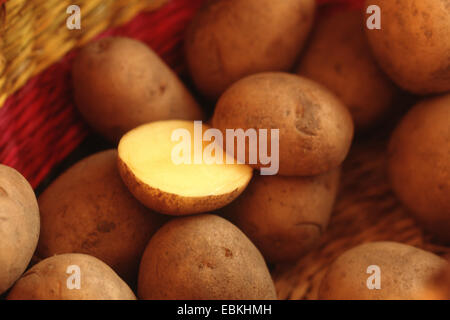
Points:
[(55, 278), (315, 128), (89, 210), (119, 83), (19, 225), (339, 57), (404, 273), (203, 257), (413, 44), (285, 216), (230, 39), (419, 164)]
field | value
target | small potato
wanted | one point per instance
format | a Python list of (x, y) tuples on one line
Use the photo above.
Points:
[(119, 83), (203, 257), (339, 57), (147, 167), (413, 44), (55, 278), (19, 225), (419, 164), (285, 216), (89, 210), (230, 39), (315, 128), (404, 272)]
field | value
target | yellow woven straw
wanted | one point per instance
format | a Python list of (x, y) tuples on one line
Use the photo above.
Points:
[(35, 35)]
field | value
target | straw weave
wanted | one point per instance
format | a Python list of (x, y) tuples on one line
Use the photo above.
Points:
[(34, 33)]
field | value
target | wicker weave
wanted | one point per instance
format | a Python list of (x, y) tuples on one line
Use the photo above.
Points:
[(34, 33), (39, 124)]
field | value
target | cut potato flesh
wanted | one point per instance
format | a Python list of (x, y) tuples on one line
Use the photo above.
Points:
[(157, 179)]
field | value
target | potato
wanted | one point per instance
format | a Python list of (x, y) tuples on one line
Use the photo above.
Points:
[(89, 210), (403, 272), (413, 44), (419, 164), (228, 40), (339, 57), (203, 257), (315, 128), (119, 83), (19, 225), (55, 278), (285, 216), (148, 168)]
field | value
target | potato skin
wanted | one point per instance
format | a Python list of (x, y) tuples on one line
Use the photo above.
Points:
[(89, 210), (419, 164), (119, 83), (405, 271), (170, 203), (47, 280), (19, 225), (203, 257), (315, 128), (350, 71), (413, 45), (285, 216), (228, 40)]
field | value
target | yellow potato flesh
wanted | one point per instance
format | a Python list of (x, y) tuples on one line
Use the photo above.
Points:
[(147, 151)]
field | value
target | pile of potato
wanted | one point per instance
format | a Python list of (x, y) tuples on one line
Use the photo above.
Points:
[(133, 224)]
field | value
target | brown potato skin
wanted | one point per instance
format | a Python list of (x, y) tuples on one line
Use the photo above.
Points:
[(350, 71), (170, 203), (47, 280), (419, 164), (228, 40), (19, 225), (203, 257), (119, 84), (285, 216), (413, 45), (316, 129), (405, 271), (89, 210)]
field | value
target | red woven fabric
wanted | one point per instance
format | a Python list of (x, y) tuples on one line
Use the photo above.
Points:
[(39, 124)]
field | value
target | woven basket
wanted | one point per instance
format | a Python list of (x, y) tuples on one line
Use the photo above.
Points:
[(40, 126)]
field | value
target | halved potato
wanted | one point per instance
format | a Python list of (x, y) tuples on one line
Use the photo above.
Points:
[(150, 172)]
